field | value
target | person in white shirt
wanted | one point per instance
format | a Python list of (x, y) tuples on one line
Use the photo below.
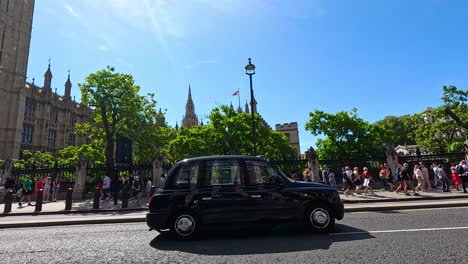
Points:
[(427, 184), (106, 187), (148, 187), (420, 177)]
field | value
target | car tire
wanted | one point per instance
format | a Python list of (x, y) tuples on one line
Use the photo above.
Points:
[(320, 218), (184, 225)]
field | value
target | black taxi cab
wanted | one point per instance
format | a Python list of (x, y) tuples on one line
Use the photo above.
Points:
[(234, 189)]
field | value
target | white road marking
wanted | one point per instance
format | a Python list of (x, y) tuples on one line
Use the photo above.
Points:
[(401, 230), (411, 210)]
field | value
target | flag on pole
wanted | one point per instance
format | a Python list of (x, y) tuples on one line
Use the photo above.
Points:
[(235, 93)]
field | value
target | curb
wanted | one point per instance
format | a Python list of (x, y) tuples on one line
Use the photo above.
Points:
[(142, 219), (418, 198), (404, 207), (88, 211), (74, 222)]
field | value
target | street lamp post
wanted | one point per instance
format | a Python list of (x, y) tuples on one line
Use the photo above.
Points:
[(250, 70)]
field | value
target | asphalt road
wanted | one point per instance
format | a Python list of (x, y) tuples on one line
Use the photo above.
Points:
[(416, 236)]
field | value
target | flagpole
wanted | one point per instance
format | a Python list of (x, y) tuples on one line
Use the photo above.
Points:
[(238, 96)]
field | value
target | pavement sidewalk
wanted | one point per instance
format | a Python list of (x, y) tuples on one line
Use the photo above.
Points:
[(379, 200)]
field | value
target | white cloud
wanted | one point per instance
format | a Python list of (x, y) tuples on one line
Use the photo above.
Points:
[(70, 10)]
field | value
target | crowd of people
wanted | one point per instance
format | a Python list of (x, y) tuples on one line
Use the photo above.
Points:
[(23, 189), (403, 179), (26, 188), (134, 185)]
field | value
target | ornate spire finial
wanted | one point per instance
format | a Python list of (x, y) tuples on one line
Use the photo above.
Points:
[(68, 74), (56, 90), (33, 81)]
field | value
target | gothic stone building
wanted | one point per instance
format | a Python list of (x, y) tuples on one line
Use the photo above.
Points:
[(30, 117), (290, 130)]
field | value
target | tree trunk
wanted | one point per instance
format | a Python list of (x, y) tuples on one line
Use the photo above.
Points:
[(110, 153), (392, 158)]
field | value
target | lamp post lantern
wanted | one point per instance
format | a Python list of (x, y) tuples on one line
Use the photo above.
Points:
[(250, 70)]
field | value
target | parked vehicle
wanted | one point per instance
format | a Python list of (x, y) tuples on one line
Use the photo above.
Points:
[(237, 189)]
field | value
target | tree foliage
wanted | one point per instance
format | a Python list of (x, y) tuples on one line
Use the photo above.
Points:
[(229, 132), (347, 135), (118, 109)]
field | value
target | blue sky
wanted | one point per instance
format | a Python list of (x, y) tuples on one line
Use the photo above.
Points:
[(382, 57)]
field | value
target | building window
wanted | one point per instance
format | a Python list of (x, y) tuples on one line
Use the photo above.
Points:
[(71, 139), (52, 138), (29, 109), (53, 116), (72, 122), (27, 134)]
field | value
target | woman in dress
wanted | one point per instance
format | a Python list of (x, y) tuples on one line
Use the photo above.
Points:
[(419, 177), (47, 188), (367, 180), (55, 189), (455, 177)]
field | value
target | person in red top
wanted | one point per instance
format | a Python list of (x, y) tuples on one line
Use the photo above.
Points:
[(100, 186), (39, 185), (367, 180)]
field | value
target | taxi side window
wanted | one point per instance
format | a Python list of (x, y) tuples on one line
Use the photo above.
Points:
[(261, 173), (186, 176), (222, 172)]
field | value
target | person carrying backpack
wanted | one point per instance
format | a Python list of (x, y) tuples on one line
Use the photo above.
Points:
[(462, 170)]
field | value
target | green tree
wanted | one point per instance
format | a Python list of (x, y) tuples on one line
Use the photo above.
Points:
[(444, 129), (229, 132), (117, 109), (403, 128), (347, 135)]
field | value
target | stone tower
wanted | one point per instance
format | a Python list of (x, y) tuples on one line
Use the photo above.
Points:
[(190, 118), (16, 17), (292, 133), (68, 87)]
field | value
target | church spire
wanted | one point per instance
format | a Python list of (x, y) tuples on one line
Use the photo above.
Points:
[(68, 86), (246, 107), (48, 79), (190, 118)]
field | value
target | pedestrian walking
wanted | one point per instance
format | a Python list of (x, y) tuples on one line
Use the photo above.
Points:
[(344, 183), (357, 179), (383, 177), (427, 184), (455, 176), (136, 189), (149, 183), (325, 175), (39, 184), (27, 190), (442, 176), (462, 170), (419, 177), (106, 187), (367, 180), (436, 179), (389, 177), (404, 180), (47, 188), (349, 180), (306, 175), (331, 178), (55, 188)]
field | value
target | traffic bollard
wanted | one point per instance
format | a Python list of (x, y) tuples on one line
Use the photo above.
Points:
[(8, 201), (97, 195), (152, 190), (68, 201), (39, 201), (125, 197)]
